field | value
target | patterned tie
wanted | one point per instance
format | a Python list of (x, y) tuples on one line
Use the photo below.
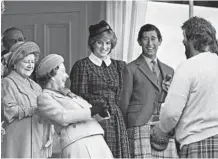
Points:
[(103, 64), (154, 67)]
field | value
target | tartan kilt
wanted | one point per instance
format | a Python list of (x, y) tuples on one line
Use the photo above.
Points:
[(139, 140), (207, 148)]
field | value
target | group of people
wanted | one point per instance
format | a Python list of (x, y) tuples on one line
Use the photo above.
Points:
[(112, 109)]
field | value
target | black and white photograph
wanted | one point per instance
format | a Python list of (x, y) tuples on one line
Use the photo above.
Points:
[(109, 79)]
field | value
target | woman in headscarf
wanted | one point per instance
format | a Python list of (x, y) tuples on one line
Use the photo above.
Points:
[(25, 136), (81, 136), (99, 80)]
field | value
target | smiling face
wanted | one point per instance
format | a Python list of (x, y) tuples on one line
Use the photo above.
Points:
[(149, 43), (26, 65), (61, 77), (102, 47)]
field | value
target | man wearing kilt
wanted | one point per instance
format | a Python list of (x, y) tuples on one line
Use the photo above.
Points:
[(141, 91), (191, 106)]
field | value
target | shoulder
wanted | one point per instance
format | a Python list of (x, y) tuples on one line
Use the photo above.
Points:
[(7, 81), (35, 85), (166, 67), (120, 63), (132, 66), (82, 62), (44, 97)]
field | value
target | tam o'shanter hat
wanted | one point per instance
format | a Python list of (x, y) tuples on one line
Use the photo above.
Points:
[(47, 64), (98, 28)]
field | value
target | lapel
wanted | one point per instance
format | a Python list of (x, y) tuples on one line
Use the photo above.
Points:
[(31, 92), (144, 68), (163, 69)]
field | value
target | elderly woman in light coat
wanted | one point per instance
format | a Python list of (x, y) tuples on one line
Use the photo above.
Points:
[(25, 136), (81, 136)]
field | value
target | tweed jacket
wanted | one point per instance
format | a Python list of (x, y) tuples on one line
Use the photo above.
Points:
[(25, 136), (140, 91), (71, 117)]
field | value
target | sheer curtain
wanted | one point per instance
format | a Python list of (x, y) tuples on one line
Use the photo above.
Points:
[(126, 18)]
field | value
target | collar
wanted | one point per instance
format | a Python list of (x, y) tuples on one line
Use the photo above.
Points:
[(98, 61), (148, 60), (55, 93)]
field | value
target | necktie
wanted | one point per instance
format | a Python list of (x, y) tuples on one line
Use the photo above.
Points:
[(103, 64), (154, 68)]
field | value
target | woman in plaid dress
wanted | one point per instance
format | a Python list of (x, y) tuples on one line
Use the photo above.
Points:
[(99, 80)]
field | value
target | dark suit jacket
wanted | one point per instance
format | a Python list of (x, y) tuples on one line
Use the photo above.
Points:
[(140, 91)]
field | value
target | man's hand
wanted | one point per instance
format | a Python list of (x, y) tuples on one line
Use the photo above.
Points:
[(166, 82), (158, 139)]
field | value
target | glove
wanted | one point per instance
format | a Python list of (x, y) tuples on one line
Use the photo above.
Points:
[(158, 139), (100, 109), (104, 113)]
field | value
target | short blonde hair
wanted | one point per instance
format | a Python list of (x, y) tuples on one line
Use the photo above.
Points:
[(109, 34)]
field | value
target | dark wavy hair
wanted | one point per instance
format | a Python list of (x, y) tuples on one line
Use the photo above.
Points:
[(149, 27), (202, 34)]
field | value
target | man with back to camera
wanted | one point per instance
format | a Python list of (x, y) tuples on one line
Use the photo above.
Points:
[(141, 91), (191, 106)]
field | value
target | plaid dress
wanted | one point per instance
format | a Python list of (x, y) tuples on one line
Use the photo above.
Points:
[(207, 148), (102, 87)]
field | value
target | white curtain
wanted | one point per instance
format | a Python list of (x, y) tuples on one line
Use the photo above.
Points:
[(126, 18)]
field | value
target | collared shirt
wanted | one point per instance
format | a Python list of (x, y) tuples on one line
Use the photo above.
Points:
[(192, 101), (149, 61), (97, 61)]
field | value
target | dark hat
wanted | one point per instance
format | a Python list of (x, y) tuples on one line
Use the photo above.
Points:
[(48, 63), (98, 28)]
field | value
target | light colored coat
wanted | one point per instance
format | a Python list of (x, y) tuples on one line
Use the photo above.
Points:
[(25, 136), (71, 117)]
